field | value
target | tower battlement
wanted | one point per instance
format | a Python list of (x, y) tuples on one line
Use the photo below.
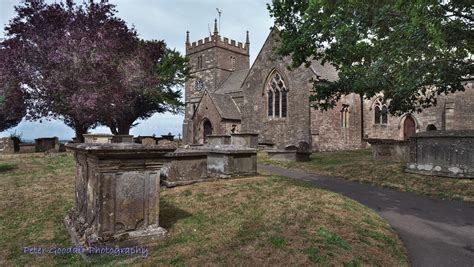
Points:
[(215, 40)]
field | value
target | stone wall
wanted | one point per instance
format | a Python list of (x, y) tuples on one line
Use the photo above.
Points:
[(9, 145), (206, 111), (279, 131), (327, 130), (452, 112)]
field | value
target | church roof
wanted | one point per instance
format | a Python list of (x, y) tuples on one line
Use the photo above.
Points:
[(226, 106), (233, 82)]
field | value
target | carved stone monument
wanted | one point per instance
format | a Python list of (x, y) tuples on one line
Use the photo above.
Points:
[(390, 150), (444, 153), (117, 194)]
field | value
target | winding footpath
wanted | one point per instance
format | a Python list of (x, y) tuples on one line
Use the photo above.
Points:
[(435, 232)]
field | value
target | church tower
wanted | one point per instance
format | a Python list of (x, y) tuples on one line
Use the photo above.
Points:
[(212, 59)]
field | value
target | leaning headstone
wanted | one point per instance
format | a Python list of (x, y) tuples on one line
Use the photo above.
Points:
[(117, 200)]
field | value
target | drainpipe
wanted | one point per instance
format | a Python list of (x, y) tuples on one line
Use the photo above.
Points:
[(362, 120)]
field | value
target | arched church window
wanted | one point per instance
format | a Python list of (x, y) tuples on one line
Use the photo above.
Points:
[(270, 103), (345, 116), (277, 103), (377, 113), (277, 93), (284, 103), (384, 114), (380, 113)]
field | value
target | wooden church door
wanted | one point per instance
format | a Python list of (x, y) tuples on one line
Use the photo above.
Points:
[(408, 127)]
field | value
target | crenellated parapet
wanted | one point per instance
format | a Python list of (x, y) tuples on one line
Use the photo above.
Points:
[(217, 41)]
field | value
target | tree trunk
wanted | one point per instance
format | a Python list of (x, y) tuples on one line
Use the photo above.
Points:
[(113, 130), (80, 130), (123, 127)]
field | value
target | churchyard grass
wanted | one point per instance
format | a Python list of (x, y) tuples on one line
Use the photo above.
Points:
[(358, 166), (263, 220)]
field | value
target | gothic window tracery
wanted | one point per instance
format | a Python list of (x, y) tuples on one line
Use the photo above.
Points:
[(380, 113), (277, 96)]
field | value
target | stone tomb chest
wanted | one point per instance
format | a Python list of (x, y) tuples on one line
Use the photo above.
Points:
[(184, 167), (231, 161), (117, 194), (390, 150), (445, 153), (50, 144), (97, 138)]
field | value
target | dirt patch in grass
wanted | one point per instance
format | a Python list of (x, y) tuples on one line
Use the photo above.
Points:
[(358, 166), (251, 221)]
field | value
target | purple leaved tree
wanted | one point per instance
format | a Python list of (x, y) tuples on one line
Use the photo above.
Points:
[(85, 66)]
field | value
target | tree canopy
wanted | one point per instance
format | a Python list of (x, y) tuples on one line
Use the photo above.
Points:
[(86, 66), (409, 51), (12, 109)]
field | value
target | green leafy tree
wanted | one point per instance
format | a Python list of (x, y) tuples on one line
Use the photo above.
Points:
[(410, 51)]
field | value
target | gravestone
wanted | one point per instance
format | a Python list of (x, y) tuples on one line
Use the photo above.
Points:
[(117, 194)]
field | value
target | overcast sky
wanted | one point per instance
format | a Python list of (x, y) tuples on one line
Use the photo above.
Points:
[(165, 20)]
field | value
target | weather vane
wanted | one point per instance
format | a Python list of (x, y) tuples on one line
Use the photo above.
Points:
[(219, 12)]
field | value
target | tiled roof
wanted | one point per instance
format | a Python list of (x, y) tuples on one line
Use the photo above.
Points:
[(226, 106), (233, 83)]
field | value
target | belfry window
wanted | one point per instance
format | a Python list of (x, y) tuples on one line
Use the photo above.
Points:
[(277, 96), (232, 63), (199, 63)]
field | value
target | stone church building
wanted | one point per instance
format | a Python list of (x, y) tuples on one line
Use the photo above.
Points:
[(226, 95)]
